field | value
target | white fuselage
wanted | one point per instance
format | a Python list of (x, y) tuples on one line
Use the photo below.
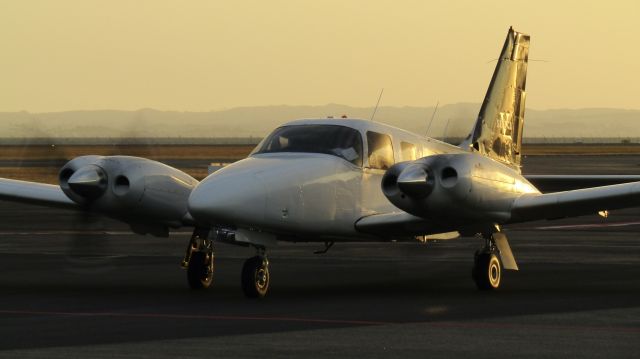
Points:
[(307, 196)]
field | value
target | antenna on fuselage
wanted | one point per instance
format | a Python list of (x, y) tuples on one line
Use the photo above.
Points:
[(377, 104), (433, 115)]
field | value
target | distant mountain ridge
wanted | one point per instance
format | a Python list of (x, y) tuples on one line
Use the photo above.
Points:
[(258, 121)]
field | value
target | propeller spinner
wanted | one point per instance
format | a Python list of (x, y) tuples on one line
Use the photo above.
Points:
[(89, 182)]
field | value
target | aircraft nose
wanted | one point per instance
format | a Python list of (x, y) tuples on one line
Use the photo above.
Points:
[(228, 200)]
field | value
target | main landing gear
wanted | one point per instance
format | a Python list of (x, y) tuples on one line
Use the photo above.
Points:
[(487, 269), (199, 260), (490, 260), (255, 275)]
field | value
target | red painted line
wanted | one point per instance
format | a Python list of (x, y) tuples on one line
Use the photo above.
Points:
[(590, 225), (473, 325), (63, 233), (192, 316), (444, 325)]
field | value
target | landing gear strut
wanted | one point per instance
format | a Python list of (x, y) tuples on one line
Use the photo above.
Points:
[(255, 275), (199, 260)]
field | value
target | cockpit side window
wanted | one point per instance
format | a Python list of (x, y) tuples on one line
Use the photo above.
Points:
[(380, 150), (341, 141), (409, 151)]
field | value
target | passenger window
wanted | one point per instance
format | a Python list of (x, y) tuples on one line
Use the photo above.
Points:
[(409, 151), (380, 150)]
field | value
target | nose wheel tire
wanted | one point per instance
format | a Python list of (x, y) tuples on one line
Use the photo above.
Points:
[(487, 271), (200, 270), (255, 277)]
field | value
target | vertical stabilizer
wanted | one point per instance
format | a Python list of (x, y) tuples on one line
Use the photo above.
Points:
[(498, 129)]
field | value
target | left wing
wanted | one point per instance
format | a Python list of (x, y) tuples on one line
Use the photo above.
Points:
[(557, 183), (34, 193), (531, 207), (393, 223), (527, 207), (403, 224)]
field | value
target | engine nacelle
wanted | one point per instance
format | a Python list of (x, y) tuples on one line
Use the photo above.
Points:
[(149, 195), (462, 186)]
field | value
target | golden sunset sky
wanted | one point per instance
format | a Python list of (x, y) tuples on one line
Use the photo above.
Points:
[(206, 55)]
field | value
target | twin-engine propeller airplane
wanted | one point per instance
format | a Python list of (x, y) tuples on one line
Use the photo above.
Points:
[(333, 180)]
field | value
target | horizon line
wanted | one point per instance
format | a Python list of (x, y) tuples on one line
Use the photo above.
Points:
[(142, 109)]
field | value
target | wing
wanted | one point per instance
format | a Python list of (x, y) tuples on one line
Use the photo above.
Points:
[(34, 193), (527, 207), (148, 195), (392, 224), (403, 224), (531, 207), (557, 183)]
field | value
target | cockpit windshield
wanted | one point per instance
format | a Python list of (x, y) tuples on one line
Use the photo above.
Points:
[(341, 141)]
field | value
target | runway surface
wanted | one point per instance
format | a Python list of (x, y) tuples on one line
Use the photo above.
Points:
[(97, 291)]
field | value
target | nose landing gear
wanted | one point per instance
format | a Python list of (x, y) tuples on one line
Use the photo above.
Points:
[(199, 263), (255, 275)]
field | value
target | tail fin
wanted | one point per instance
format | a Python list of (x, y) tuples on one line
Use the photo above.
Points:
[(498, 129)]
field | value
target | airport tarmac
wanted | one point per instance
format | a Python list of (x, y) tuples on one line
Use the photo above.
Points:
[(94, 290)]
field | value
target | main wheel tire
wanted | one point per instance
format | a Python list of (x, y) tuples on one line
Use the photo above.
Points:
[(255, 277), (200, 270), (487, 271)]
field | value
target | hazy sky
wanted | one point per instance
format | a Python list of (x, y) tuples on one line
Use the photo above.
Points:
[(203, 55)]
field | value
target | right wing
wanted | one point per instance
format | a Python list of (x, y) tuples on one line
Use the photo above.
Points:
[(148, 195), (34, 193)]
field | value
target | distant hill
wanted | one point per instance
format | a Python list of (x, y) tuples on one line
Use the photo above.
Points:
[(258, 121)]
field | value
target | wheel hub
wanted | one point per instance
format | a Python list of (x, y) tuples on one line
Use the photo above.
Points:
[(494, 273), (262, 278)]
